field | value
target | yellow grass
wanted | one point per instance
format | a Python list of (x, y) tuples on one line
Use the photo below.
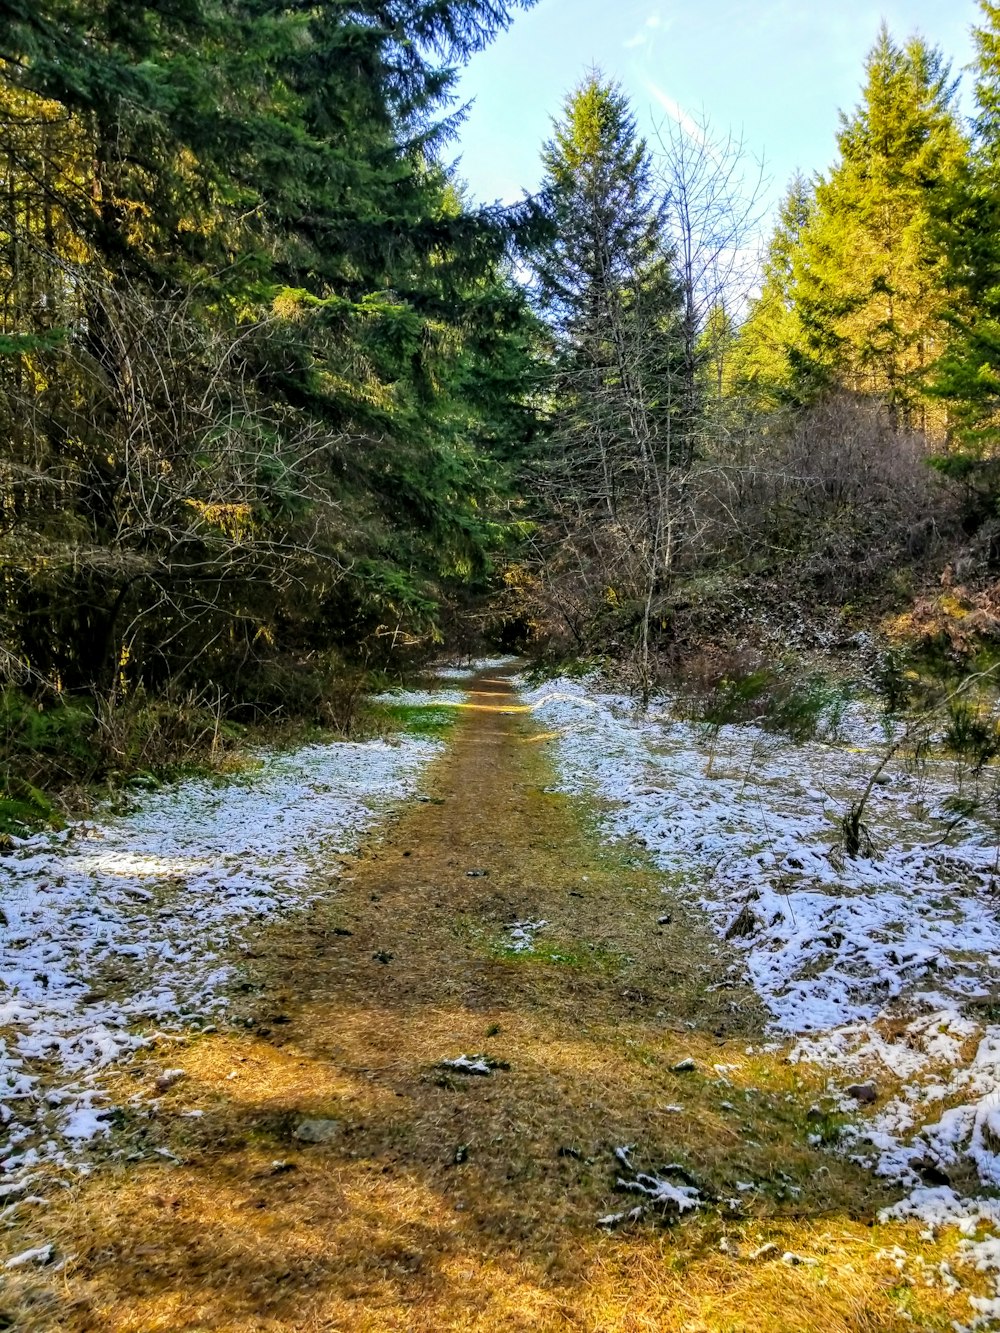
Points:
[(456, 1203)]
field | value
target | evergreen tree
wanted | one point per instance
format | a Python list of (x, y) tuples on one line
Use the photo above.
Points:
[(868, 276), (604, 286), (967, 376), (770, 342), (281, 328)]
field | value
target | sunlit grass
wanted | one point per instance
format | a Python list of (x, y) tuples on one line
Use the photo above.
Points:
[(462, 1203)]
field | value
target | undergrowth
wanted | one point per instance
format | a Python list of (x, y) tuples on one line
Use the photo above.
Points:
[(783, 701), (60, 752)]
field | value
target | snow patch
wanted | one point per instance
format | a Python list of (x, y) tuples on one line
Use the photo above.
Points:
[(116, 928), (522, 934), (746, 825)]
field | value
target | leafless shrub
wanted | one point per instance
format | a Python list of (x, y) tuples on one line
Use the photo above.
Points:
[(839, 490), (151, 502)]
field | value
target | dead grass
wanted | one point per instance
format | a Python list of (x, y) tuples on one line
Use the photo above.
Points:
[(446, 1202)]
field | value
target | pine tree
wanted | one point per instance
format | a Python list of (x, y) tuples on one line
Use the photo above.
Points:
[(283, 330), (605, 287), (868, 276)]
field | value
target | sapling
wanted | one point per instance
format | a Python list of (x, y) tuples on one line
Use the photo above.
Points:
[(913, 736)]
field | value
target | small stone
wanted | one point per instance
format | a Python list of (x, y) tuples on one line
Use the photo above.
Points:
[(687, 1066), (664, 920), (768, 1251), (168, 1078), (476, 874), (317, 1131), (865, 1093), (797, 1260)]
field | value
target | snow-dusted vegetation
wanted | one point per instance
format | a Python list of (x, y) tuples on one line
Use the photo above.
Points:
[(114, 929), (881, 967)]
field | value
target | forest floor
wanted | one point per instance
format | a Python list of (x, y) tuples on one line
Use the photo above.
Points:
[(443, 1090)]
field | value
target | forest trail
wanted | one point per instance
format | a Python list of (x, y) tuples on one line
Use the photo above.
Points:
[(436, 1199)]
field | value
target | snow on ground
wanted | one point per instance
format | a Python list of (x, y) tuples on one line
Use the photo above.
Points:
[(111, 930), (747, 824), (473, 667), (422, 698), (522, 934)]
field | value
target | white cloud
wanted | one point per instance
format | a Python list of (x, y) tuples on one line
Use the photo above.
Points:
[(676, 112), (642, 37)]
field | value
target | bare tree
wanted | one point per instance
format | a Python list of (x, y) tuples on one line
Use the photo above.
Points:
[(713, 203)]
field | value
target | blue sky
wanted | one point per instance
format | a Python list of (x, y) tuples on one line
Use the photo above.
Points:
[(775, 70)]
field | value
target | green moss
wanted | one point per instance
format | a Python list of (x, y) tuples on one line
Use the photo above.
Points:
[(586, 957), (430, 721)]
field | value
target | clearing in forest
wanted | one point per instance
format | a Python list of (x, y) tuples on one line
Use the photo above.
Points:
[(501, 1077)]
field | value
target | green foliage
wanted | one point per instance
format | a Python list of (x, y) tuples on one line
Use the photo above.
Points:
[(967, 375), (579, 955), (771, 339), (868, 275), (23, 807), (971, 733), (430, 721), (605, 233), (605, 285), (796, 706), (57, 728), (893, 680), (264, 372), (855, 283)]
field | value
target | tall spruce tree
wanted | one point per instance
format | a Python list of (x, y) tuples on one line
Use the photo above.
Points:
[(292, 358), (868, 275), (605, 287)]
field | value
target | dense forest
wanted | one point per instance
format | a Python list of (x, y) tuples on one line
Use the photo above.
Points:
[(499, 703), (282, 407)]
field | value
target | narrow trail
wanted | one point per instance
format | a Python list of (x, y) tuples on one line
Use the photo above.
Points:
[(440, 1200)]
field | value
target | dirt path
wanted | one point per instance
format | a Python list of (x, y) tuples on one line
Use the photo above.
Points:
[(440, 1200)]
